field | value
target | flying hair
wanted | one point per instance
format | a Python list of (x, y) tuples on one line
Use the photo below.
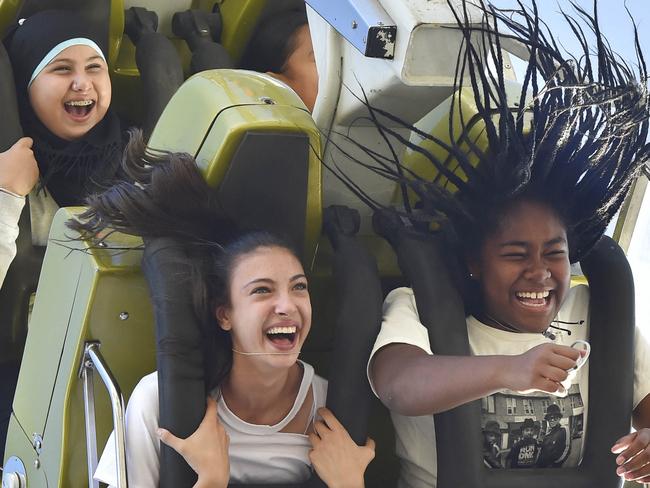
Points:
[(164, 195), (574, 138)]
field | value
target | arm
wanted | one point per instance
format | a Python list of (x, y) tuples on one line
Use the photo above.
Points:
[(411, 382), (509, 458), (641, 414), (18, 168), (18, 175), (11, 205), (337, 459), (206, 450), (634, 449)]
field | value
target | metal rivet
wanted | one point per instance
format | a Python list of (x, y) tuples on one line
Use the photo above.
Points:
[(37, 442), (101, 244), (354, 24), (507, 66), (124, 315), (37, 463)]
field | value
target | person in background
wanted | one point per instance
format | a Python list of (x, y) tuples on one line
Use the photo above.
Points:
[(74, 138), (282, 48)]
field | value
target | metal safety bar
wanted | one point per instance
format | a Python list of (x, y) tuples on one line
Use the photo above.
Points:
[(93, 360)]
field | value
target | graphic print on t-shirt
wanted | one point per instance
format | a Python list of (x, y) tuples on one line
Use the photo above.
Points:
[(535, 430)]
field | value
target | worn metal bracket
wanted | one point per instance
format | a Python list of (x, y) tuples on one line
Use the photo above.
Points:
[(37, 442), (364, 23)]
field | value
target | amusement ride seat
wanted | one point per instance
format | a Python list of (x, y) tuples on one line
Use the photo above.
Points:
[(93, 310)]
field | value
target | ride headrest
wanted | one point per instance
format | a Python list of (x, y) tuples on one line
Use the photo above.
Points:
[(256, 144)]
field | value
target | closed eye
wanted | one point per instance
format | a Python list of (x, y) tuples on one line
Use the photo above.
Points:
[(556, 252), (94, 67)]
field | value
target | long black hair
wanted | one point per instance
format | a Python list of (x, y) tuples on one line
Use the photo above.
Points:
[(165, 195), (574, 138), (274, 41)]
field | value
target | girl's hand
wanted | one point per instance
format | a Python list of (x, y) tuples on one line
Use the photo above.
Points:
[(18, 168), (206, 450), (542, 368), (337, 459), (634, 456)]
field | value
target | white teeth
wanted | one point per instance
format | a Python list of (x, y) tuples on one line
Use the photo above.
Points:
[(282, 330), (533, 294), (79, 103)]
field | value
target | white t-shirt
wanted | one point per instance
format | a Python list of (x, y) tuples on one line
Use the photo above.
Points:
[(415, 436), (258, 453), (11, 205), (42, 209)]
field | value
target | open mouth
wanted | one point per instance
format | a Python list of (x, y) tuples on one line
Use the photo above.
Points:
[(283, 337), (79, 108), (536, 299)]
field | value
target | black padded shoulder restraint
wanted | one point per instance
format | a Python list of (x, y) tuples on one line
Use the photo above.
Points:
[(611, 312), (179, 353), (180, 360), (22, 276)]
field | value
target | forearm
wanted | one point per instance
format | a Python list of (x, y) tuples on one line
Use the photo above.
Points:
[(209, 483), (349, 484), (641, 414), (412, 382)]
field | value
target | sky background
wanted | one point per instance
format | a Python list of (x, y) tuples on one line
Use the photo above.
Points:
[(613, 18)]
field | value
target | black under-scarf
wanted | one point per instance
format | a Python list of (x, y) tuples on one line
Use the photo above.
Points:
[(71, 170)]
